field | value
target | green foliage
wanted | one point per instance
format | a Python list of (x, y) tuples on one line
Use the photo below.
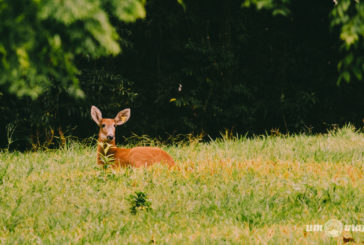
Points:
[(138, 202), (106, 158), (279, 7), (40, 40), (348, 16), (185, 72)]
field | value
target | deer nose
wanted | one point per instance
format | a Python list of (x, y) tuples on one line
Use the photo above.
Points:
[(109, 137)]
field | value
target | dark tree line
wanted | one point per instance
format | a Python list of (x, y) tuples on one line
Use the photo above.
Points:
[(211, 67)]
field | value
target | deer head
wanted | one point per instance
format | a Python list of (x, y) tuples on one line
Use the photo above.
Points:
[(108, 125)]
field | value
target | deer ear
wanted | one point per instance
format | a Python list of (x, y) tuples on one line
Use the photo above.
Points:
[(122, 117), (96, 114)]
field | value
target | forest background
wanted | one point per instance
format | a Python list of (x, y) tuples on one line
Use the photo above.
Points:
[(250, 67)]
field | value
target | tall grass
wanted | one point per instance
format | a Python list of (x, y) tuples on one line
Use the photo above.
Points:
[(231, 190)]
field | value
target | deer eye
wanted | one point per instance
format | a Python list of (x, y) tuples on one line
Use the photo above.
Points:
[(103, 125)]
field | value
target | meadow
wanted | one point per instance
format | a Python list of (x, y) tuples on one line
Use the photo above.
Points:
[(234, 190)]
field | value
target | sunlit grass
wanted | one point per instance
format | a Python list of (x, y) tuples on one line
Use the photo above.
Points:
[(234, 190)]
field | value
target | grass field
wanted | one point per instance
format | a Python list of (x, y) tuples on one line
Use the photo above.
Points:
[(232, 190)]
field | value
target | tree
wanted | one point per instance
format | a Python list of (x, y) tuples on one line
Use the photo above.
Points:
[(39, 40), (348, 16)]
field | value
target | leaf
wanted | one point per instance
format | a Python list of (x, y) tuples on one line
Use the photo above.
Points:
[(182, 4), (283, 12), (23, 58), (349, 59), (345, 75), (358, 73)]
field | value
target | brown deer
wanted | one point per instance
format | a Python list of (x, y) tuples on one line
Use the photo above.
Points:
[(135, 157)]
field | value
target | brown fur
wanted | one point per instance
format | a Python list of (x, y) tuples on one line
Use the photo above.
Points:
[(135, 157)]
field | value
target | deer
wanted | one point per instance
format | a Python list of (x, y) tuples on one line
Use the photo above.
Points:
[(123, 157)]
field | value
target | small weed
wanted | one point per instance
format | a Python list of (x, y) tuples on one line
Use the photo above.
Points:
[(138, 202), (105, 157)]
